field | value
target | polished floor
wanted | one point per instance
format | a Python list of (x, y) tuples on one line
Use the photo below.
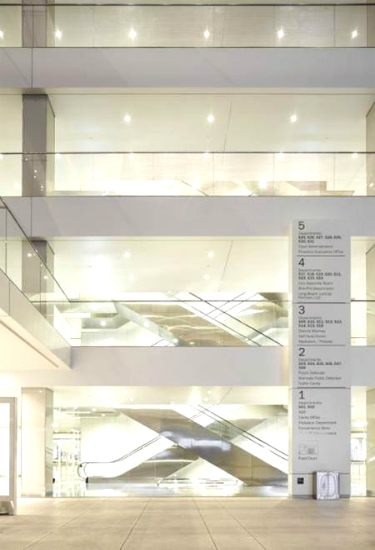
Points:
[(189, 524)]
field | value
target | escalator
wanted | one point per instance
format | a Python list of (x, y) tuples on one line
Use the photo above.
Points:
[(203, 436)]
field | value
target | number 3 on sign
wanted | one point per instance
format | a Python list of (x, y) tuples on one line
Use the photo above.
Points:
[(301, 310)]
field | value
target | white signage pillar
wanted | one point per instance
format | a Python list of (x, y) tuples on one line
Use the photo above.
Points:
[(319, 355)]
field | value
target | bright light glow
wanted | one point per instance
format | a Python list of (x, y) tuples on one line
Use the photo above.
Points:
[(29, 255), (131, 277), (147, 324), (210, 254), (131, 399), (206, 155), (55, 425), (371, 185), (132, 33), (206, 34), (94, 307), (210, 119), (103, 323), (131, 155), (175, 340), (1, 34), (127, 255), (280, 33), (293, 118), (263, 183), (58, 34), (196, 184), (1, 156), (206, 277), (127, 118), (93, 410), (280, 156), (45, 277), (354, 33), (57, 156), (354, 156), (16, 185)]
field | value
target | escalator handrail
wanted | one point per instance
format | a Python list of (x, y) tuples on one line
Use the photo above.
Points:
[(244, 433), (82, 465)]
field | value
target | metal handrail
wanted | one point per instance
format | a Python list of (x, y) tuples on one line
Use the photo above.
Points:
[(243, 433)]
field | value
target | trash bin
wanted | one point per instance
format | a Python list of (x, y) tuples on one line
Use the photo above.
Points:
[(327, 485)]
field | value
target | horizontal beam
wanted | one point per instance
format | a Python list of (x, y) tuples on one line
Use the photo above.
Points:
[(184, 216), (187, 67)]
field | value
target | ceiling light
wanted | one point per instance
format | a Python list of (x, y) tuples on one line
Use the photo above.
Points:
[(131, 277), (132, 33), (131, 399), (371, 185), (206, 155), (210, 119), (127, 118), (293, 118), (45, 277), (93, 410), (94, 307), (103, 323), (58, 34), (354, 156), (206, 398), (29, 255), (16, 185), (196, 184), (1, 34), (280, 156), (175, 340), (263, 183), (280, 33), (354, 33), (206, 34), (127, 255), (206, 277), (210, 254), (57, 156), (209, 392), (55, 425), (126, 392), (131, 155), (147, 324)]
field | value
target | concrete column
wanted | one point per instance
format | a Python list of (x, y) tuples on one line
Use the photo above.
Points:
[(38, 22), (370, 147), (370, 462), (38, 139), (37, 442), (370, 295)]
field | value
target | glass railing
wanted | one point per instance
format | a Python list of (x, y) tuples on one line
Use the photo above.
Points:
[(24, 265), (218, 25), (199, 174)]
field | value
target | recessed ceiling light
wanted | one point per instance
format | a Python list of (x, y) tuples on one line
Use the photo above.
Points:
[(206, 34), (354, 156), (354, 33), (371, 185), (16, 185), (132, 33), (147, 324), (58, 34), (293, 118), (103, 414), (280, 156), (210, 118), (131, 277), (206, 155), (93, 410), (127, 118), (55, 425), (127, 255), (206, 398), (131, 155), (206, 277), (45, 277), (57, 156), (1, 34), (210, 254), (103, 323), (280, 33), (209, 392)]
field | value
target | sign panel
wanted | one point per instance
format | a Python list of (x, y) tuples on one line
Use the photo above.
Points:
[(320, 336)]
